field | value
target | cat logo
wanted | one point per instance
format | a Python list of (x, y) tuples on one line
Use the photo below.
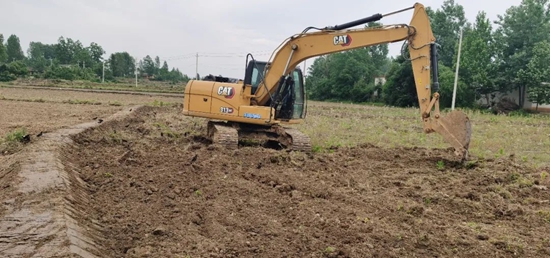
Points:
[(226, 91), (343, 40)]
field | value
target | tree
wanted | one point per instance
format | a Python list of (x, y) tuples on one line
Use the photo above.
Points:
[(96, 52), (536, 75), (521, 27), (13, 49), (147, 66), (478, 52), (348, 75), (3, 53), (35, 54), (446, 23), (399, 89), (121, 64)]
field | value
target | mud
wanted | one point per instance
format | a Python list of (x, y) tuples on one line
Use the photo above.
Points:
[(152, 186), (39, 217)]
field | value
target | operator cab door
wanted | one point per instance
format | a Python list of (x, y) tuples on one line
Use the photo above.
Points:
[(293, 101)]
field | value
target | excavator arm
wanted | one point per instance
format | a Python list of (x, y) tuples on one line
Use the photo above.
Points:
[(455, 128)]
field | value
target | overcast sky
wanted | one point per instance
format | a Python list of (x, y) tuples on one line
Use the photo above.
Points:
[(221, 31)]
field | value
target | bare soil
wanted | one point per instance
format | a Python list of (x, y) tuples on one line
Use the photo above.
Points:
[(39, 117), (39, 199), (157, 188), (84, 97)]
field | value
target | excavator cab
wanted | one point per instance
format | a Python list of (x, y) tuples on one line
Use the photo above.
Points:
[(289, 101)]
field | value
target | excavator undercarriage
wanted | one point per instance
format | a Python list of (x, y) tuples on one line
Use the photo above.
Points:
[(231, 135)]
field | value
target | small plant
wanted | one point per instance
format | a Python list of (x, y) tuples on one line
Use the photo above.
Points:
[(427, 200), (317, 148), (440, 165), (543, 175), (545, 214), (329, 249), (400, 207), (198, 192), (18, 135)]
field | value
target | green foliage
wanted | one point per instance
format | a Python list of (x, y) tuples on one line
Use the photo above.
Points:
[(69, 72), (446, 23), (536, 76), (478, 52), (465, 96), (399, 89), (3, 53), (18, 135), (10, 71), (521, 27), (13, 49), (121, 64), (69, 59), (348, 75)]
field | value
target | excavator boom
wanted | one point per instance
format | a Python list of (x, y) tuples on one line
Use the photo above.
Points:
[(265, 93)]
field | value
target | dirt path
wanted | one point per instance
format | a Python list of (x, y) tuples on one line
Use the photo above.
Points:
[(159, 190), (40, 200)]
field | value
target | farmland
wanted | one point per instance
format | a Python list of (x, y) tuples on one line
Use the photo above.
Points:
[(147, 183)]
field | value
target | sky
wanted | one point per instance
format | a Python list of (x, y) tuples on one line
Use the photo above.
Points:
[(222, 32)]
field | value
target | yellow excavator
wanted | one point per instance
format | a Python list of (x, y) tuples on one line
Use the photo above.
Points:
[(261, 109)]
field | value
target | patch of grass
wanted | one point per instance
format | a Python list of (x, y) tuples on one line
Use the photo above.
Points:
[(13, 141), (343, 124), (115, 137), (159, 103), (545, 214), (18, 135), (166, 131), (440, 165), (80, 101)]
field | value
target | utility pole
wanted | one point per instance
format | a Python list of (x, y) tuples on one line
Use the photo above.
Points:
[(197, 66), (136, 72), (103, 73), (456, 73)]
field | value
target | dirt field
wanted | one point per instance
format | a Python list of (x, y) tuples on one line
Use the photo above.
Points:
[(76, 97), (150, 185), (158, 193)]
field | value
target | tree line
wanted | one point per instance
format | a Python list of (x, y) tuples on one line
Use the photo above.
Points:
[(510, 53), (71, 60)]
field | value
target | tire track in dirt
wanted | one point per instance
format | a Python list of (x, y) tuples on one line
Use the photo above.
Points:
[(41, 200)]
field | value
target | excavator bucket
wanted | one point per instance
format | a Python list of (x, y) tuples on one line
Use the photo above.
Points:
[(456, 130)]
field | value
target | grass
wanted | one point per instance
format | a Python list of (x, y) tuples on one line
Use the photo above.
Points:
[(13, 141), (337, 124)]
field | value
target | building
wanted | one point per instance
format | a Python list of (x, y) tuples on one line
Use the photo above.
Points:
[(514, 96)]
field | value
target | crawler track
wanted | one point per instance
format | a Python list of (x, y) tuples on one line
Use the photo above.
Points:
[(231, 135)]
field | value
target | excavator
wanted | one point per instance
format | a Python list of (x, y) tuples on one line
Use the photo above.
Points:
[(261, 109)]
